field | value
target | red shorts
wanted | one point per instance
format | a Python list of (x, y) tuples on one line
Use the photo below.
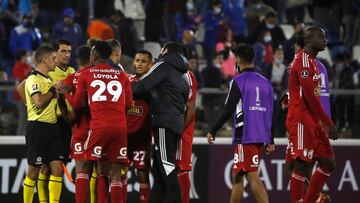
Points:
[(139, 150), (246, 157), (108, 144), (184, 153), (77, 144), (308, 142)]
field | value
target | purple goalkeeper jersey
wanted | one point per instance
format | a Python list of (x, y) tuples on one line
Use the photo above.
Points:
[(325, 93), (253, 114)]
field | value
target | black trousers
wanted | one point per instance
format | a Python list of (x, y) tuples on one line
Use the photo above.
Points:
[(166, 185)]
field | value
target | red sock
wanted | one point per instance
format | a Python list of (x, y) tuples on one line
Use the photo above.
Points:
[(124, 189), (184, 181), (82, 188), (144, 192), (116, 192), (317, 182), (102, 188), (297, 186)]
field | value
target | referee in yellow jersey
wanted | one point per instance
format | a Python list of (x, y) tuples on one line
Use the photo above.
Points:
[(61, 70), (43, 141)]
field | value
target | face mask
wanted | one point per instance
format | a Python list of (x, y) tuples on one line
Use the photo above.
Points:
[(270, 26), (267, 38), (278, 61), (217, 10), (29, 60), (190, 6)]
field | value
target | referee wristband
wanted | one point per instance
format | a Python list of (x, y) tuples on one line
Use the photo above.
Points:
[(53, 91)]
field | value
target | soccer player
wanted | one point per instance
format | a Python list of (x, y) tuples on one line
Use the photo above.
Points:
[(61, 71), (80, 129), (115, 56), (184, 148), (139, 129), (169, 91), (250, 101), (109, 95), (43, 140), (306, 119)]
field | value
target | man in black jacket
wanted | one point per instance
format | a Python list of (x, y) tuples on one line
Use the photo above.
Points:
[(168, 89)]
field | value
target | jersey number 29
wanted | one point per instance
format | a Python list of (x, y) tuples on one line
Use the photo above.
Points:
[(114, 88)]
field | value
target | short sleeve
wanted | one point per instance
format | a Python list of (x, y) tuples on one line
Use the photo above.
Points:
[(32, 85)]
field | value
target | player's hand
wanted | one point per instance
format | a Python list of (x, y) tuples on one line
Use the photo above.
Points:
[(211, 138), (332, 132), (269, 148), (58, 86)]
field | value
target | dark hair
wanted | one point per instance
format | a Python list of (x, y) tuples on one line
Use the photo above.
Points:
[(114, 44), (20, 53), (118, 13), (103, 49), (142, 51), (245, 52), (83, 54), (309, 31), (174, 47), (91, 41), (270, 14), (299, 40), (41, 52), (59, 42)]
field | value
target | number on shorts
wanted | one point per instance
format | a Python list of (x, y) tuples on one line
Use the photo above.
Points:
[(139, 155), (102, 86), (236, 158)]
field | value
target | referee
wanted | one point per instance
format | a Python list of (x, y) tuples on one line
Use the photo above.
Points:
[(168, 89), (43, 142)]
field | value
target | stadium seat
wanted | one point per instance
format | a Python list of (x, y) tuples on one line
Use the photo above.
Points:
[(325, 55), (356, 53), (288, 30), (153, 47)]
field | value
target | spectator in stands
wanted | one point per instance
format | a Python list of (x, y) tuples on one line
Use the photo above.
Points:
[(224, 44), (154, 25), (344, 104), (351, 21), (186, 18), (214, 18), (68, 29), (25, 36), (263, 52), (188, 40), (289, 44), (235, 10), (270, 23), (126, 33), (21, 69), (101, 28), (213, 78), (255, 12), (295, 10), (194, 68), (49, 14)]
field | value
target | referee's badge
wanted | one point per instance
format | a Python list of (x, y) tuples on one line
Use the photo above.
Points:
[(35, 87)]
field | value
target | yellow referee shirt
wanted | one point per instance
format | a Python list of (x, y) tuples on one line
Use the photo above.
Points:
[(39, 83), (58, 75)]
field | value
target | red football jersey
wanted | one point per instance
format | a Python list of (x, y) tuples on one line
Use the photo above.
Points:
[(138, 117), (82, 115), (188, 132), (109, 95), (304, 92)]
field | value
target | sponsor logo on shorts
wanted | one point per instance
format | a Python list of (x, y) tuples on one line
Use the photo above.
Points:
[(308, 153), (78, 147), (97, 151), (255, 160), (38, 160), (123, 153)]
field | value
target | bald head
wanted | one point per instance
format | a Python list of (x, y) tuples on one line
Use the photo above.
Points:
[(314, 37)]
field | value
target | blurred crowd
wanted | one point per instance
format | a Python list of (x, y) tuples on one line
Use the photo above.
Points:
[(208, 29)]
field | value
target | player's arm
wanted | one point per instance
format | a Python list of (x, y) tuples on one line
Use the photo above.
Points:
[(20, 88), (40, 100), (77, 101), (190, 104), (270, 147), (306, 82), (231, 101), (150, 80), (128, 95), (66, 87)]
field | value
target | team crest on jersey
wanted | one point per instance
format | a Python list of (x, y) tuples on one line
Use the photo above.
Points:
[(35, 87), (304, 74), (317, 91), (136, 110)]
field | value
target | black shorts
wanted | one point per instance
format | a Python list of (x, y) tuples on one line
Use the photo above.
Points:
[(65, 134), (43, 143)]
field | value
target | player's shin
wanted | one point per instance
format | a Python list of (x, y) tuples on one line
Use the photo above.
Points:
[(28, 191), (317, 182), (82, 188), (55, 185)]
